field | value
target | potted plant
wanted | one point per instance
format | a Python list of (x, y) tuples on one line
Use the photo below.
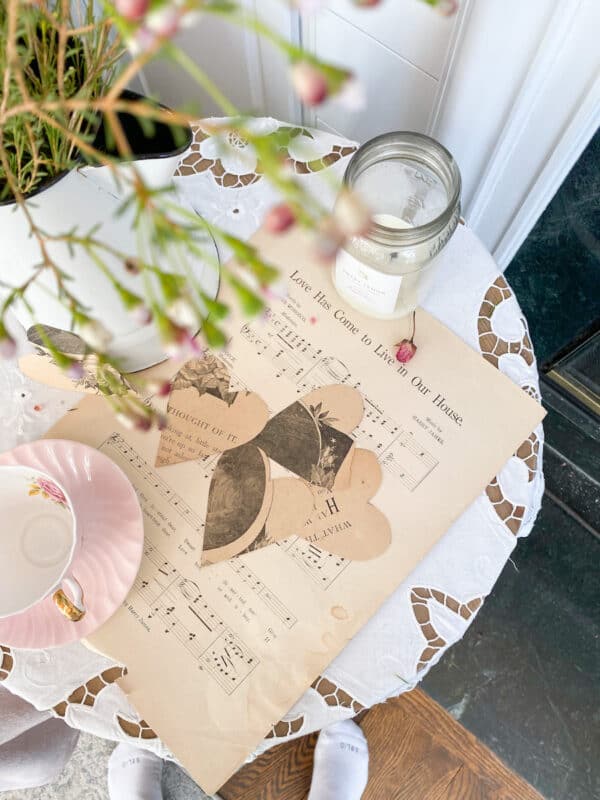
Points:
[(92, 232)]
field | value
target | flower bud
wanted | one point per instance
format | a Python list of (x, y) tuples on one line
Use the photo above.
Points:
[(75, 370), (406, 350), (141, 314), (279, 218), (132, 10), (447, 8), (132, 266), (164, 21), (159, 388), (142, 422), (183, 313), (309, 82), (95, 335), (161, 421), (126, 420), (180, 343)]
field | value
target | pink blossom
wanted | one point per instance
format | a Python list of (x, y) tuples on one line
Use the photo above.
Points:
[(132, 10), (54, 492), (164, 21), (447, 8), (159, 388), (181, 343), (75, 371), (279, 218), (309, 82), (406, 350), (141, 314)]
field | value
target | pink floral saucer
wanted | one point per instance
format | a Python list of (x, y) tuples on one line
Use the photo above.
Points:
[(111, 524)]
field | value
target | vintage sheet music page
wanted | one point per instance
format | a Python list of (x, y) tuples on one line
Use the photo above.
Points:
[(217, 654)]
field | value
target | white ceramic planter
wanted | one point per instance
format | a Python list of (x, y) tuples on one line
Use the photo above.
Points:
[(83, 198)]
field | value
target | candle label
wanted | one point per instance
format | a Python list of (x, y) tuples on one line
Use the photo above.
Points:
[(375, 291)]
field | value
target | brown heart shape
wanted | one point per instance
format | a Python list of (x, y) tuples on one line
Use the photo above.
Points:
[(310, 437), (238, 503), (328, 504), (204, 416)]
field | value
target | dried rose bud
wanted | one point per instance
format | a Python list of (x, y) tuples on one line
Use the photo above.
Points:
[(309, 82), (132, 10), (406, 350), (279, 218)]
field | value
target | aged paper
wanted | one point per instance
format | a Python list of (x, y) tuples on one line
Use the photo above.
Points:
[(218, 654)]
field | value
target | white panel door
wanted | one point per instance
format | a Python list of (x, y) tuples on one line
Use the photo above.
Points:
[(398, 50)]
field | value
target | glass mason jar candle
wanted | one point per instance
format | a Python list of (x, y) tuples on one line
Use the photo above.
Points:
[(411, 184)]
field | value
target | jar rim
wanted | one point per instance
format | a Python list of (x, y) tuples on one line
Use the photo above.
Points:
[(421, 148)]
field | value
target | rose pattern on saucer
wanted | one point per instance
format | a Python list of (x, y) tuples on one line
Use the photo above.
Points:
[(49, 490)]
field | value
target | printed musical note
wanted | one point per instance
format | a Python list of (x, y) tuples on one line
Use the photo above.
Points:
[(263, 592), (323, 567), (295, 359), (124, 455), (229, 661), (178, 605)]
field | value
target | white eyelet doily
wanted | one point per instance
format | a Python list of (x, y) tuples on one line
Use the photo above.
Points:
[(435, 605)]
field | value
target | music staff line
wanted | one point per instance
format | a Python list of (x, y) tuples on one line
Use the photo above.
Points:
[(117, 444), (323, 567), (226, 657), (263, 592), (398, 450)]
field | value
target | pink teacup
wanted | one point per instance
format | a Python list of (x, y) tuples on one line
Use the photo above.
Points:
[(39, 539)]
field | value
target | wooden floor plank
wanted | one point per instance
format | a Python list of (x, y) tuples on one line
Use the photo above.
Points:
[(417, 751)]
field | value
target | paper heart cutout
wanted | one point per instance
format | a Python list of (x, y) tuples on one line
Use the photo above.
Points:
[(310, 437), (341, 521), (239, 499), (328, 503), (204, 416)]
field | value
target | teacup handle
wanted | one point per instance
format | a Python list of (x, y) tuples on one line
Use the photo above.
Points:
[(73, 609)]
